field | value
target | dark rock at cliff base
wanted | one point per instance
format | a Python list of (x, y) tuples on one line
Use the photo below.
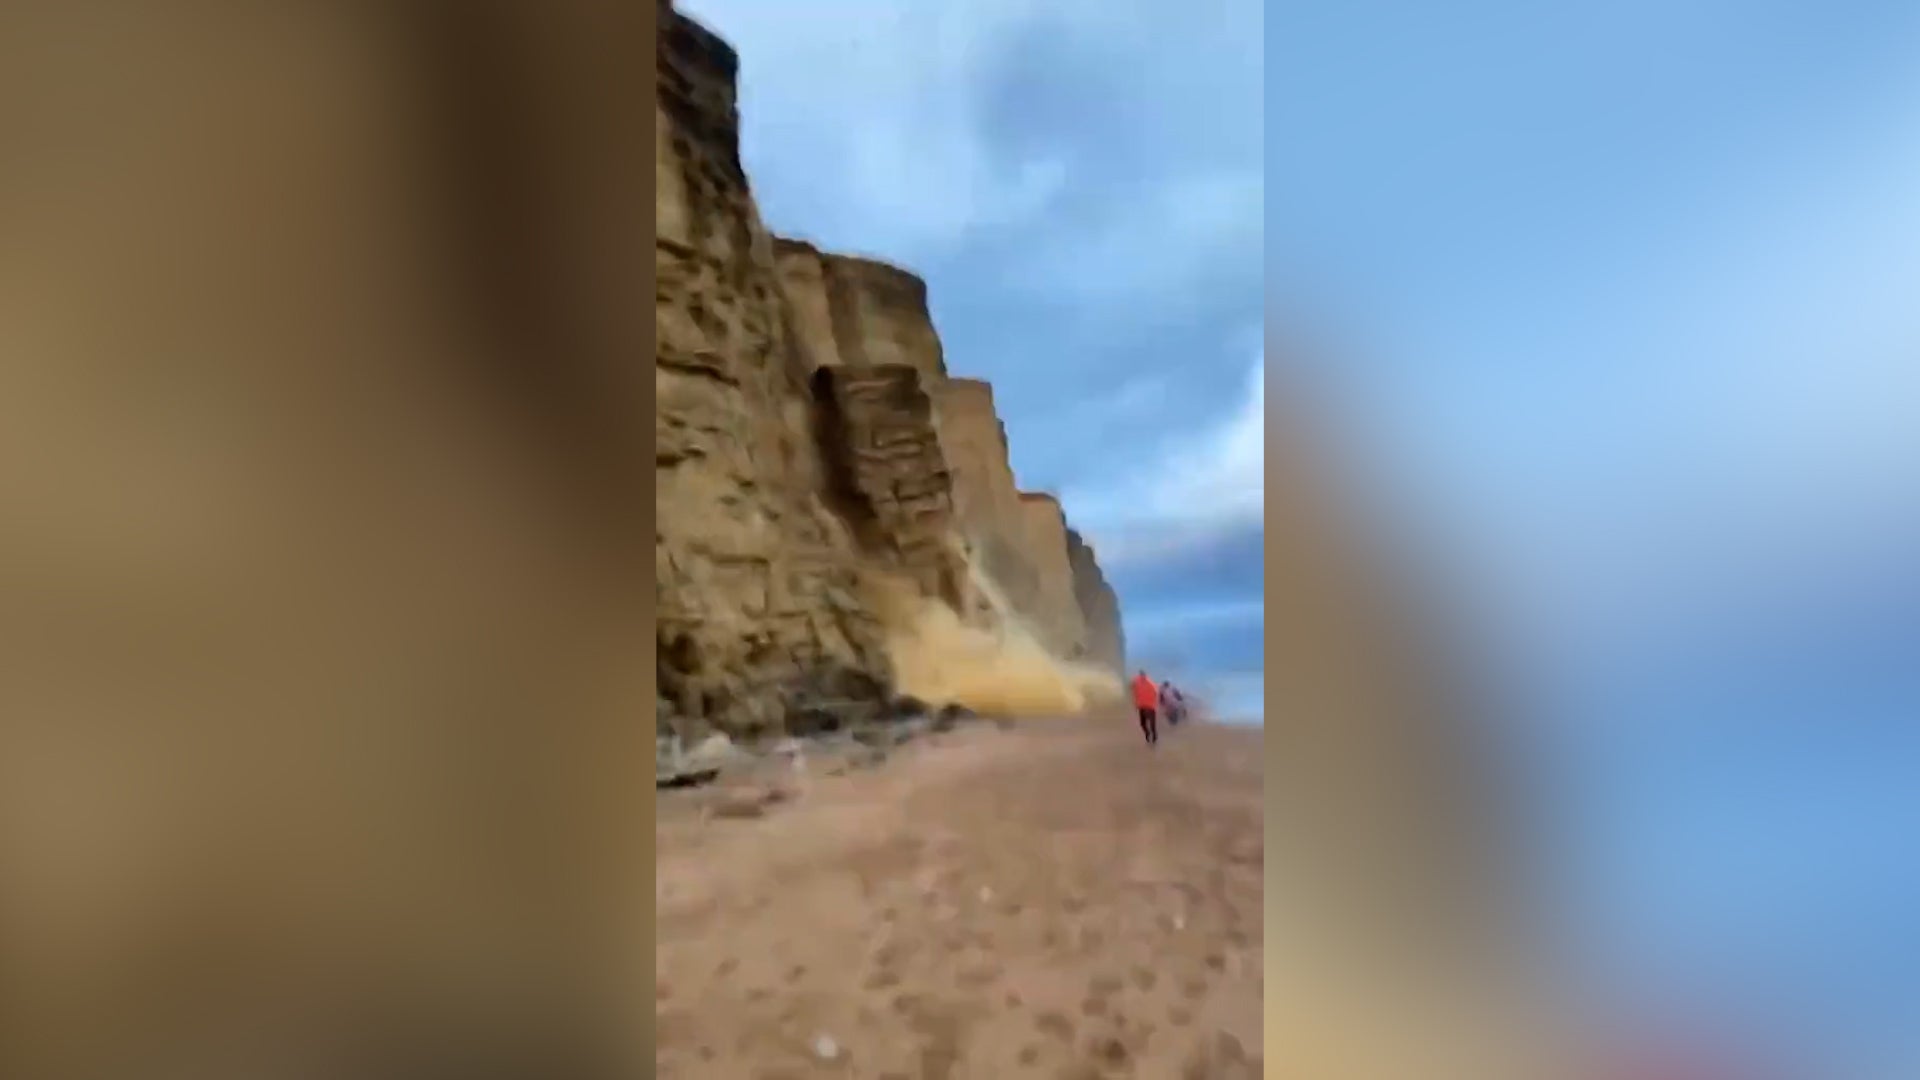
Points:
[(907, 707), (950, 717), (833, 700), (686, 778)]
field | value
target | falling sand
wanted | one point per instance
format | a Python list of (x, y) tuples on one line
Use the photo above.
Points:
[(1001, 669)]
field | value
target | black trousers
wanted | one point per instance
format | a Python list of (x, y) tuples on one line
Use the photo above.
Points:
[(1149, 725)]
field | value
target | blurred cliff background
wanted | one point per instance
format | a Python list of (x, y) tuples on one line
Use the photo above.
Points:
[(1607, 310), (321, 571)]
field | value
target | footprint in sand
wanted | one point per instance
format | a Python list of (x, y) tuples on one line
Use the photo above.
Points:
[(883, 979), (1111, 1051), (1055, 1025), (980, 976)]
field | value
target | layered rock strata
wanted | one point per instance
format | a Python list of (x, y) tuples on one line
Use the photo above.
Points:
[(898, 494), (810, 289), (861, 314), (858, 312), (757, 582), (808, 443)]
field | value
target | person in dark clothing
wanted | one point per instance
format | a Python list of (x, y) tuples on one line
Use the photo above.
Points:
[(1146, 697), (1171, 705)]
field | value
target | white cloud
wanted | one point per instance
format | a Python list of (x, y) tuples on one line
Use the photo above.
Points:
[(1187, 617), (1198, 228), (1238, 697), (867, 128), (864, 121), (1135, 401), (1204, 486)]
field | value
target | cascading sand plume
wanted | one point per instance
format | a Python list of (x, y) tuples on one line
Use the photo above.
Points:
[(1001, 669)]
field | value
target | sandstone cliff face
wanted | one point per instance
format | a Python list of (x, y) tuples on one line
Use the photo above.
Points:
[(807, 282), (885, 312), (808, 438), (1056, 616), (757, 586), (986, 500), (1106, 643), (885, 448), (859, 312)]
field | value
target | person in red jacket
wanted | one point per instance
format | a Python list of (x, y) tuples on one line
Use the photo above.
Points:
[(1146, 697)]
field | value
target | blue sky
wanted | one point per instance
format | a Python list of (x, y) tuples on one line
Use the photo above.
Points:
[(1081, 184), (1615, 311)]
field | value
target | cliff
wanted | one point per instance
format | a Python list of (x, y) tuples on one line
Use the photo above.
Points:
[(859, 312), (986, 499), (811, 450), (897, 494), (1055, 613), (1106, 642), (757, 581)]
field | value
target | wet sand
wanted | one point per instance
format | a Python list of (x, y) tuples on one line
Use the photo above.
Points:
[(1052, 900)]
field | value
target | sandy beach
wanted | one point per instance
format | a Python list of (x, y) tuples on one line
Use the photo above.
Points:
[(1051, 899)]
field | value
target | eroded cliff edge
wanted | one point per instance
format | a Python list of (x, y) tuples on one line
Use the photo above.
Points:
[(822, 482)]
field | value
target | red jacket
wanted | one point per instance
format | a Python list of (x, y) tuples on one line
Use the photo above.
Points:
[(1145, 694)]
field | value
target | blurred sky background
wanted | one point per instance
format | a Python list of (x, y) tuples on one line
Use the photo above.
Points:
[(1080, 183), (1614, 309)]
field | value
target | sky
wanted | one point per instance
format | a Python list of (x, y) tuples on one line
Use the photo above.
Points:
[(1613, 309), (1080, 182)]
